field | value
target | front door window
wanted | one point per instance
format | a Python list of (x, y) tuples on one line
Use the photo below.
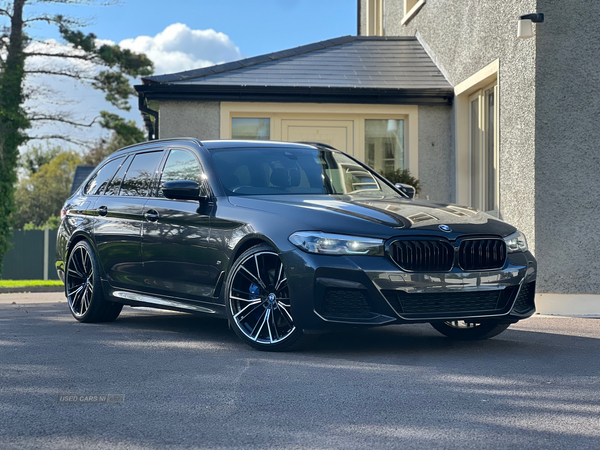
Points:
[(181, 165)]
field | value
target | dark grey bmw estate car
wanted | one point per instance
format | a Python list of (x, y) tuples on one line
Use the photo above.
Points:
[(284, 240)]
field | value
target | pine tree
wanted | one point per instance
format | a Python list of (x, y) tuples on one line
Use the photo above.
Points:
[(15, 47)]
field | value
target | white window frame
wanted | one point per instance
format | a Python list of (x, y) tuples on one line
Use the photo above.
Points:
[(482, 121), (411, 8), (375, 18), (484, 77)]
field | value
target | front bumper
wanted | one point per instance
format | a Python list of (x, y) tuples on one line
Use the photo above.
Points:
[(336, 291)]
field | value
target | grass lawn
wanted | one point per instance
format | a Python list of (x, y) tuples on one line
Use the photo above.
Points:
[(27, 283)]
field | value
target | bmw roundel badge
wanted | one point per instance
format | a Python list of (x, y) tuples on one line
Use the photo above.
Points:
[(445, 228)]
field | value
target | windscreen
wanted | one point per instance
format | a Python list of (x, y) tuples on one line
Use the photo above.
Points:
[(280, 171)]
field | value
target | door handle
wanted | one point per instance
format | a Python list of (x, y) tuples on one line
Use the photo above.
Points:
[(151, 215), (102, 211)]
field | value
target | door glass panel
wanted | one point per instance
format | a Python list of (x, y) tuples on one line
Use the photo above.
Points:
[(115, 184), (250, 128), (140, 173), (490, 160), (475, 145), (99, 181), (181, 165), (384, 144), (482, 149)]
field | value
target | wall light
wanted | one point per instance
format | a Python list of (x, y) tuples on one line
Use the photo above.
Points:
[(525, 29)]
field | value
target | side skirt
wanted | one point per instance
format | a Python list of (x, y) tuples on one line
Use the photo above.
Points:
[(170, 304)]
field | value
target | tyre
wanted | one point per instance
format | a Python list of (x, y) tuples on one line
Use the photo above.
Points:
[(257, 299), (469, 331), (83, 287)]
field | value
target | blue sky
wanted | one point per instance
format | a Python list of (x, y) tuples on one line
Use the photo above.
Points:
[(178, 35), (255, 26)]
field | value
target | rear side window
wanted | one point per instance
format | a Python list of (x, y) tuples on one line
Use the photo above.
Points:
[(140, 173), (115, 184), (181, 165), (102, 176)]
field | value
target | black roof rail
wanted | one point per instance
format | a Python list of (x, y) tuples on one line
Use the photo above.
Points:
[(317, 144)]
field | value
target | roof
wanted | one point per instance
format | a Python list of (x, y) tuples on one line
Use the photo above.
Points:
[(81, 173), (378, 69), (233, 143)]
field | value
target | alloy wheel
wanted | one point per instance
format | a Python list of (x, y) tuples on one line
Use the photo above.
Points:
[(260, 300), (80, 281)]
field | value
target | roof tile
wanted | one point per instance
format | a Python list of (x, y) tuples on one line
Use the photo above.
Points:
[(349, 61)]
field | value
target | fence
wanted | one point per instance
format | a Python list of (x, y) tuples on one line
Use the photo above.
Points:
[(32, 256)]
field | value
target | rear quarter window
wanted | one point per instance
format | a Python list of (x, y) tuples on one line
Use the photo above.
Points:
[(114, 186), (102, 176), (140, 173)]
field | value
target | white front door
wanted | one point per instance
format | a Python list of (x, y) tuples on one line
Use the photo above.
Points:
[(337, 133)]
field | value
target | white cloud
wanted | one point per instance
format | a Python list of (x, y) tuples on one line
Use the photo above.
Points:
[(175, 49), (179, 48)]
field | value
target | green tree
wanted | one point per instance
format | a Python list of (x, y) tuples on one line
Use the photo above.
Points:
[(117, 64), (13, 121), (32, 159), (41, 195), (402, 176)]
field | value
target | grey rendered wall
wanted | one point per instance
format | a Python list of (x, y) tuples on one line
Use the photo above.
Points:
[(436, 153), (464, 36), (200, 120), (567, 159)]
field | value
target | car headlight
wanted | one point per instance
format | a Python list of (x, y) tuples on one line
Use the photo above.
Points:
[(336, 244), (516, 242)]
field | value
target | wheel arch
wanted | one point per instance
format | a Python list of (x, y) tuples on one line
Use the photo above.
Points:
[(82, 236), (249, 242), (242, 246)]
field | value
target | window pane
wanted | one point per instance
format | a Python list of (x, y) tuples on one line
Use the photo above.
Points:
[(181, 165), (490, 183), (115, 185), (98, 182), (475, 147), (384, 144), (138, 178), (249, 128), (274, 171)]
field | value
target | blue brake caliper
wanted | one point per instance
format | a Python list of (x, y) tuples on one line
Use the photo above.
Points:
[(254, 291), (255, 294)]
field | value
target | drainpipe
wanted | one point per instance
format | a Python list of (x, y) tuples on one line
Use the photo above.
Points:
[(358, 18), (152, 128)]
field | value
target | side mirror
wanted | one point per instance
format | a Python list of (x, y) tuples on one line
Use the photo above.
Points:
[(182, 190), (406, 189)]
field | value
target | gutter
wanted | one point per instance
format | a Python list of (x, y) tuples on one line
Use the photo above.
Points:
[(152, 128), (296, 94)]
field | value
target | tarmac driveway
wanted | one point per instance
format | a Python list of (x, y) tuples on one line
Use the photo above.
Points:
[(181, 381)]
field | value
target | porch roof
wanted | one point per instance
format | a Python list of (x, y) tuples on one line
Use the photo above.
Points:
[(348, 69)]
